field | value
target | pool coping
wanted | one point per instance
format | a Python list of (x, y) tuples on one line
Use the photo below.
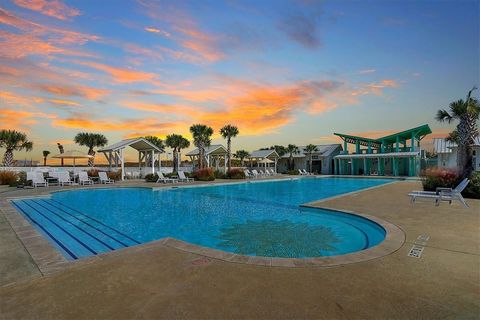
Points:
[(50, 260)]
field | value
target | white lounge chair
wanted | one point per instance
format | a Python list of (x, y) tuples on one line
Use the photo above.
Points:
[(247, 174), (37, 179), (161, 178), (83, 178), (442, 194), (64, 179), (103, 178), (305, 172), (300, 172), (273, 172), (183, 177), (256, 174)]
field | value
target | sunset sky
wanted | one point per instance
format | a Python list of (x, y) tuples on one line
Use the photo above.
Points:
[(282, 71)]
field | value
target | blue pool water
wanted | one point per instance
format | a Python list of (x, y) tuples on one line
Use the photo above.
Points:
[(259, 219)]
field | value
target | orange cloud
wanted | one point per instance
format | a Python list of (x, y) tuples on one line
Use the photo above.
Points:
[(14, 119), (118, 74), (155, 30), (140, 51), (61, 102), (52, 8), (71, 90)]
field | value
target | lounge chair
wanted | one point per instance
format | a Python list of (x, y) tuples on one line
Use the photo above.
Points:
[(442, 194), (256, 174), (37, 179), (300, 172), (103, 178), (83, 178), (248, 174), (305, 172), (64, 179), (161, 178), (183, 177), (272, 172)]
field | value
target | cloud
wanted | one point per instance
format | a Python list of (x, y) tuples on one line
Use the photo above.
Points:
[(301, 26), (159, 31), (52, 8), (21, 119), (119, 75), (366, 71), (66, 90), (61, 102), (374, 87)]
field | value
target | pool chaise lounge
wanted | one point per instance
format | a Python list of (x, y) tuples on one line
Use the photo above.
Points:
[(183, 178), (442, 194), (161, 178), (104, 179), (83, 178)]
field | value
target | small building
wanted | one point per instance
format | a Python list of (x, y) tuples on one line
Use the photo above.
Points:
[(213, 157), (397, 154), (322, 159), (264, 159), (447, 153)]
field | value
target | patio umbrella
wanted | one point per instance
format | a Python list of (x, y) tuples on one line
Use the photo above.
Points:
[(73, 154)]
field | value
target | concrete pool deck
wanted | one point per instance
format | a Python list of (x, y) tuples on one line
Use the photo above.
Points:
[(158, 281)]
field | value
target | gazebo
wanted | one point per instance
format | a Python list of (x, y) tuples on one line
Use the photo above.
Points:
[(115, 153), (265, 157), (213, 154)]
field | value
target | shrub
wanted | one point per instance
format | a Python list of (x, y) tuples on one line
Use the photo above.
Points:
[(8, 178), (473, 188), (93, 172), (434, 178), (151, 177), (219, 174), (206, 174), (115, 175), (236, 174)]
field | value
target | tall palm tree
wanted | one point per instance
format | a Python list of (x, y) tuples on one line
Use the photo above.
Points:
[(61, 150), (241, 154), (176, 142), (45, 155), (309, 149), (467, 113), (13, 140), (91, 140), (280, 150), (201, 139), (156, 141), (228, 132), (291, 149)]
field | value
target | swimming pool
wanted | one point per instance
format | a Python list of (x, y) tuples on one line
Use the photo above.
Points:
[(256, 219)]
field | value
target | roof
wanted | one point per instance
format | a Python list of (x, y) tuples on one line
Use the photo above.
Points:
[(378, 155), (264, 154), (324, 150), (441, 145), (140, 144), (214, 149), (419, 132)]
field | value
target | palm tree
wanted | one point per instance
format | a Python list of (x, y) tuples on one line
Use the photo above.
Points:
[(45, 155), (13, 140), (176, 142), (201, 139), (61, 150), (156, 141), (291, 149), (309, 149), (241, 154), (91, 140), (228, 132), (467, 113), (280, 150)]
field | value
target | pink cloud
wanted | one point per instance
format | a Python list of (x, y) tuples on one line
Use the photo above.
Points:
[(52, 8)]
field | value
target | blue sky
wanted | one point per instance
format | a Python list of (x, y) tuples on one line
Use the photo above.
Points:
[(282, 71)]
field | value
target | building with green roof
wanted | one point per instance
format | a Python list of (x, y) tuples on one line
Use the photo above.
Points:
[(396, 154)]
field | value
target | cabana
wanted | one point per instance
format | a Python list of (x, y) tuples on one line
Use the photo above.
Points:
[(213, 155), (115, 153), (264, 157)]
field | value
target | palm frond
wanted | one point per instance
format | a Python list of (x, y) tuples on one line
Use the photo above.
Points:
[(443, 116)]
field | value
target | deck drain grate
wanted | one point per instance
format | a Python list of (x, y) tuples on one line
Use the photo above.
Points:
[(420, 243)]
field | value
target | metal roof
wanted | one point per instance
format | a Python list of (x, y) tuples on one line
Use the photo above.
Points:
[(140, 144), (419, 132), (264, 154), (378, 155), (214, 149), (324, 150)]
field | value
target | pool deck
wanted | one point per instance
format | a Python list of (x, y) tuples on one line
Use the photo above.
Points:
[(156, 280)]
